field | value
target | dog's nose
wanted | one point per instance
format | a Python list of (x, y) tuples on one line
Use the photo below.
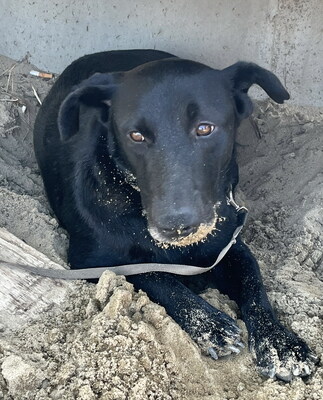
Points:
[(179, 231), (180, 224)]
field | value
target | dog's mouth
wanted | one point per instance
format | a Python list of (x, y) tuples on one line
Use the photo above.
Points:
[(180, 237)]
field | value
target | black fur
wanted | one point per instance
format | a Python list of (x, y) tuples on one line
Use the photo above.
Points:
[(91, 170)]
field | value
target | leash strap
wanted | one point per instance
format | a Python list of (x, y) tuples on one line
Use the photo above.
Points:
[(134, 269)]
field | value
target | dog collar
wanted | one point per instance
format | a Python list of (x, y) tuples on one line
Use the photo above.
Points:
[(134, 269)]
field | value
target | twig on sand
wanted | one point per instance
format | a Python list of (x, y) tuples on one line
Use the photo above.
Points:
[(7, 70), (255, 127), (15, 64), (10, 78), (10, 100), (12, 129), (36, 95)]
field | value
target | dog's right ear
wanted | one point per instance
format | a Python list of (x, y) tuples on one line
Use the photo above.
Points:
[(95, 92), (243, 75)]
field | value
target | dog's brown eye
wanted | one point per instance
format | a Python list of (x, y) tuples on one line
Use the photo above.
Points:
[(205, 129), (137, 136)]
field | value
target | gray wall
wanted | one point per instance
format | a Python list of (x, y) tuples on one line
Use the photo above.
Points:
[(282, 35)]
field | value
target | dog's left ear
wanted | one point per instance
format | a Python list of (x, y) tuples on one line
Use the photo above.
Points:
[(243, 75), (94, 92)]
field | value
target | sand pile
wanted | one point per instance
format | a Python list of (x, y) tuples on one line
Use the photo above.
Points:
[(108, 342)]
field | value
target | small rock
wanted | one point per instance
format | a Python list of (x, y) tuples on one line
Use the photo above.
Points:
[(20, 376), (119, 303)]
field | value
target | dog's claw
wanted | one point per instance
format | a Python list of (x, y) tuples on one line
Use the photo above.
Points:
[(226, 350), (234, 349), (285, 376), (268, 372), (314, 358), (271, 373), (307, 370), (285, 373), (213, 353)]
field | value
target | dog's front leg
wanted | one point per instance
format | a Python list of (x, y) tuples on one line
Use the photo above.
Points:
[(215, 332), (278, 351)]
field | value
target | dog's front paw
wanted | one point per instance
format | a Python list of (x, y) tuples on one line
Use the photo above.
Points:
[(215, 332), (281, 353)]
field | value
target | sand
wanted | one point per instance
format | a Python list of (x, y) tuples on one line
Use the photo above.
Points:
[(107, 341)]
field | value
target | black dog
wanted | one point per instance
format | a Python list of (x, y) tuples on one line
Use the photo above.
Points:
[(137, 153)]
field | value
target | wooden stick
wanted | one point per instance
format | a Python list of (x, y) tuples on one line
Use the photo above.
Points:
[(24, 297), (12, 129), (10, 100), (8, 69), (36, 95)]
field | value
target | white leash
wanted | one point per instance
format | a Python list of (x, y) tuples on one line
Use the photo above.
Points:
[(134, 269)]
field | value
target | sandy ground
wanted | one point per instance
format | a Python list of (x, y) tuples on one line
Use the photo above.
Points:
[(108, 342)]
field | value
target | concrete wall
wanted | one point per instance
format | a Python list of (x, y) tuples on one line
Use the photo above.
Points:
[(282, 35)]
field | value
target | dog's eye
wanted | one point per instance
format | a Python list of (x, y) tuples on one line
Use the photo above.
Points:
[(137, 136), (205, 129)]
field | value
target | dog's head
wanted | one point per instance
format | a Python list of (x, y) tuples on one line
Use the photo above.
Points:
[(171, 127)]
